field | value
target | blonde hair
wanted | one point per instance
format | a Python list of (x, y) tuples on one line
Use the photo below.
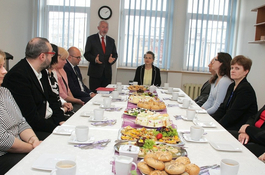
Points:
[(2, 55), (62, 52)]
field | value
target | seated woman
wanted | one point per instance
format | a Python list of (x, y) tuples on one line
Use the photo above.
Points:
[(206, 88), (219, 83), (148, 74), (252, 134), (64, 89), (240, 101), (16, 136), (53, 79)]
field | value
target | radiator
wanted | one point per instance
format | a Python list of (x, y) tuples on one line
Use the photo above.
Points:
[(192, 90)]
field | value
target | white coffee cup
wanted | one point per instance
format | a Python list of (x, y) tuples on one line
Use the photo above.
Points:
[(135, 83), (98, 114), (119, 88), (119, 83), (196, 132), (175, 96), (65, 167), (186, 103), (166, 85), (107, 101), (170, 90), (123, 165), (81, 133), (115, 94), (190, 114), (229, 167), (152, 89)]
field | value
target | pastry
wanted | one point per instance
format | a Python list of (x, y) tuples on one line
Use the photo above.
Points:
[(156, 164), (164, 156), (175, 168), (144, 168), (183, 160), (192, 169)]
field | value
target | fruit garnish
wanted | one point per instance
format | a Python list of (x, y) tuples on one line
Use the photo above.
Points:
[(159, 136)]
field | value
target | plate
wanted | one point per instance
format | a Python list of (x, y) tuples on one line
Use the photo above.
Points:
[(201, 111), (181, 95), (102, 106), (176, 90), (215, 171), (188, 138), (225, 146), (168, 92), (64, 130), (93, 120), (73, 139), (185, 118), (105, 95), (97, 102), (205, 124), (77, 172), (174, 100), (153, 126), (181, 150), (86, 113), (181, 106), (47, 161), (180, 100)]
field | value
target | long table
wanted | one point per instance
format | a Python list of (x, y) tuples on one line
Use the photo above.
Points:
[(97, 161)]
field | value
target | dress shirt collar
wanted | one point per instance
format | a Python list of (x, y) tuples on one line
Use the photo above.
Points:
[(101, 36), (71, 64), (38, 75)]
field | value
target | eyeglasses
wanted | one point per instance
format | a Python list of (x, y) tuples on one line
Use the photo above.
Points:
[(216, 59), (79, 57), (52, 53)]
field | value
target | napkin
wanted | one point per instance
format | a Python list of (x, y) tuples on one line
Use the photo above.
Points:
[(172, 105), (104, 123), (113, 109), (178, 117)]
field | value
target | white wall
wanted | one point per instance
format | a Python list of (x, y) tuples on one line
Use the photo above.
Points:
[(256, 52), (16, 27)]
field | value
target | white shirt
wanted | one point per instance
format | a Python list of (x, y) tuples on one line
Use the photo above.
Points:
[(49, 112)]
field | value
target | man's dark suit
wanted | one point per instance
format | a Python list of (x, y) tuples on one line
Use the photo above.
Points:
[(74, 83), (25, 88), (99, 72)]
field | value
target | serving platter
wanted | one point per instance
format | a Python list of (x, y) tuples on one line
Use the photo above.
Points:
[(176, 151)]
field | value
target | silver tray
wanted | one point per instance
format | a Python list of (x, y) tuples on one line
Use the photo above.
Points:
[(181, 150)]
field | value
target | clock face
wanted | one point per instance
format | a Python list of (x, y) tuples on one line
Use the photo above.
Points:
[(104, 12)]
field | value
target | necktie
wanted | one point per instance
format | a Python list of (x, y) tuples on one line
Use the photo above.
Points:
[(261, 120), (103, 44), (77, 73)]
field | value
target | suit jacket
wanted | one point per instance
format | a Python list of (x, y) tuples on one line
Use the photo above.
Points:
[(205, 91), (243, 104), (74, 83), (139, 75), (257, 135), (93, 48), (31, 98)]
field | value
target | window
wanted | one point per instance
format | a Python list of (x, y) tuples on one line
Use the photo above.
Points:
[(145, 25), (210, 27), (65, 22)]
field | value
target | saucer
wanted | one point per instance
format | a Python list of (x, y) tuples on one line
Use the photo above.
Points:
[(64, 130), (214, 171), (188, 138), (225, 147), (185, 118), (205, 124), (173, 99), (181, 106), (93, 120), (97, 102), (73, 139), (86, 114), (77, 172)]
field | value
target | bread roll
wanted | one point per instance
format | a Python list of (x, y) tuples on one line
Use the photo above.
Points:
[(157, 172), (150, 155), (164, 156), (192, 169), (144, 168), (175, 168), (183, 160), (156, 164)]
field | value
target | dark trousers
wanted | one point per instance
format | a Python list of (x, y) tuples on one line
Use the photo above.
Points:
[(8, 160), (255, 148), (94, 83)]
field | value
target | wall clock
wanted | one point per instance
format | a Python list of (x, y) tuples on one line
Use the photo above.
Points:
[(104, 12)]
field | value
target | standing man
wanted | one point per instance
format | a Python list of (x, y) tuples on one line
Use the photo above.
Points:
[(101, 52), (75, 80), (28, 82)]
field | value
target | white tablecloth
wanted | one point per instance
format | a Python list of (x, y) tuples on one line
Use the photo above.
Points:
[(97, 161)]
